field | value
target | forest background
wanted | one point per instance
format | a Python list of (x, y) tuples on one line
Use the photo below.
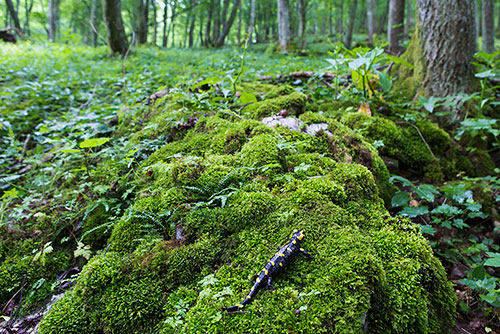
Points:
[(372, 58)]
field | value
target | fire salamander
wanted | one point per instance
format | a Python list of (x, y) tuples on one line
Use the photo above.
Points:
[(274, 267)]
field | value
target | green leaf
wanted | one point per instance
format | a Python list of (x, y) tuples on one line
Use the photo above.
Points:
[(413, 212), (94, 142), (247, 98), (69, 150), (400, 198), (485, 74), (385, 81), (494, 260), (426, 192), (428, 229), (400, 179), (399, 60)]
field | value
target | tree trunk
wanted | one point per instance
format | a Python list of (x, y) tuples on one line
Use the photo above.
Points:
[(172, 23), (240, 22), (446, 34), (350, 28), (165, 18), (330, 19), (53, 19), (93, 22), (251, 24), (383, 19), (302, 11), (284, 24), (488, 26), (370, 12), (13, 14), (27, 9), (216, 23), (340, 18), (155, 22), (191, 30), (228, 24), (395, 30), (142, 8), (117, 40), (408, 19)]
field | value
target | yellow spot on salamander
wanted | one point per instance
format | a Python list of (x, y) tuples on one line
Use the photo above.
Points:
[(302, 249), (249, 297), (265, 271), (294, 242), (281, 264), (272, 263), (288, 249), (258, 280), (282, 255), (239, 305), (300, 237)]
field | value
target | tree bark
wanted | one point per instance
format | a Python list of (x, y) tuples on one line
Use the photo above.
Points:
[(142, 10), (340, 18), (27, 9), (53, 19), (165, 18), (251, 24), (93, 22), (191, 30), (446, 34), (117, 40), (488, 26), (350, 28), (155, 22), (382, 23), (370, 13), (228, 24), (284, 24), (395, 30), (302, 11), (13, 14)]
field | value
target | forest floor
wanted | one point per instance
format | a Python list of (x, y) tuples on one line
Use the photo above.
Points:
[(58, 100)]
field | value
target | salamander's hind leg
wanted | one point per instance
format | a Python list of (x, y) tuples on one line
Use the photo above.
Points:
[(269, 285), (254, 277), (306, 254)]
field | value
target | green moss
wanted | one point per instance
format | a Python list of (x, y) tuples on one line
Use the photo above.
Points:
[(250, 208), (67, 316), (294, 104), (280, 90), (261, 150)]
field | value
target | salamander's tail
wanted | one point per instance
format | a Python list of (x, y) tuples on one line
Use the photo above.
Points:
[(237, 306), (256, 287)]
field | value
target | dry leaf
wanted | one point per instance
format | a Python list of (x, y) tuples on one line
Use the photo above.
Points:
[(414, 203), (364, 108)]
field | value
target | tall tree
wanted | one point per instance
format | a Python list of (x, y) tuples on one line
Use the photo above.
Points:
[(142, 11), (302, 12), (350, 27), (53, 19), (371, 10), (395, 29), (488, 26), (227, 24), (13, 14), (284, 24), (93, 22), (251, 23), (117, 39), (447, 42)]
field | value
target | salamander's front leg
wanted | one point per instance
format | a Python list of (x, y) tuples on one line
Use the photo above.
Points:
[(306, 254), (269, 285)]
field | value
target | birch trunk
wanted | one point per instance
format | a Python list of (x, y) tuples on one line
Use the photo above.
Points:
[(370, 12), (284, 24)]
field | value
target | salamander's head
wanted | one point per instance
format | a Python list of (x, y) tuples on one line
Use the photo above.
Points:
[(296, 235)]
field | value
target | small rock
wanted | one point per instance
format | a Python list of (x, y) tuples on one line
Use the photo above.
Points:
[(291, 123)]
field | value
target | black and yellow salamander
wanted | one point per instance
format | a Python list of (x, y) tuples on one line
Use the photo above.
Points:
[(274, 267)]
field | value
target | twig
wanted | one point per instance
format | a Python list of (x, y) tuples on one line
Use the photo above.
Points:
[(25, 146), (12, 298), (421, 136), (86, 104)]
